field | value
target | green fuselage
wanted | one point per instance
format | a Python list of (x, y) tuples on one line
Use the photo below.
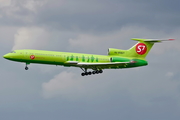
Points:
[(67, 59), (116, 58)]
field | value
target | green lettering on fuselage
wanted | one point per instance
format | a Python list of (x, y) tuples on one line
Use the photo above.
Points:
[(83, 58), (72, 57), (67, 58), (77, 59), (92, 58), (88, 59), (97, 60)]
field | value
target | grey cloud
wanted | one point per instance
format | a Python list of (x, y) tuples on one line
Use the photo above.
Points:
[(105, 16), (150, 92), (98, 16)]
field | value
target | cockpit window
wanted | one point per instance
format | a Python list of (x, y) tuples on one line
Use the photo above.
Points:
[(13, 52)]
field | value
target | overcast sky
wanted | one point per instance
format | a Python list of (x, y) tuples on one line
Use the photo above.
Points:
[(47, 92)]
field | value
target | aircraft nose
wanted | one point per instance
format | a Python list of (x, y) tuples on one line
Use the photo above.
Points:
[(6, 56)]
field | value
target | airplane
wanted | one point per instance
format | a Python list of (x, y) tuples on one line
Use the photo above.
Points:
[(116, 58)]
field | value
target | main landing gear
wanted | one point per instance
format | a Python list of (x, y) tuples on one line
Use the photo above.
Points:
[(90, 73)]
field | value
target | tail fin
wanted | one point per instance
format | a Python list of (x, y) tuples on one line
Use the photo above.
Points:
[(142, 48), (139, 50)]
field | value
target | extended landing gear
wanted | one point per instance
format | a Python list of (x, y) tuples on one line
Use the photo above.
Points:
[(26, 68), (90, 73)]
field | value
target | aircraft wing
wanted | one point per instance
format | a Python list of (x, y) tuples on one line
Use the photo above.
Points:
[(102, 65), (98, 65)]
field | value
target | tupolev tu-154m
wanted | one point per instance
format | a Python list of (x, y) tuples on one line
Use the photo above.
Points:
[(116, 58)]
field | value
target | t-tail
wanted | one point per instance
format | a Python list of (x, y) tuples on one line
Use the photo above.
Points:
[(139, 50)]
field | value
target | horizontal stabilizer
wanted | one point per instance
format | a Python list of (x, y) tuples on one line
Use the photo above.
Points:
[(151, 40)]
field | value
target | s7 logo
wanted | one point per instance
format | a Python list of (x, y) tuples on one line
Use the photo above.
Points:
[(141, 48)]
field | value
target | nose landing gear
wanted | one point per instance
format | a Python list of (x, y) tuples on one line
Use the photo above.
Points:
[(26, 67)]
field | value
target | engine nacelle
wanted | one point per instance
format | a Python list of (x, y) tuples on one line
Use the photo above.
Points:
[(112, 51), (119, 59)]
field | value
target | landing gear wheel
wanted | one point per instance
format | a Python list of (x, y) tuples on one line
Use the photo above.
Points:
[(89, 73), (97, 72), (82, 74), (26, 68), (100, 71), (93, 72)]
